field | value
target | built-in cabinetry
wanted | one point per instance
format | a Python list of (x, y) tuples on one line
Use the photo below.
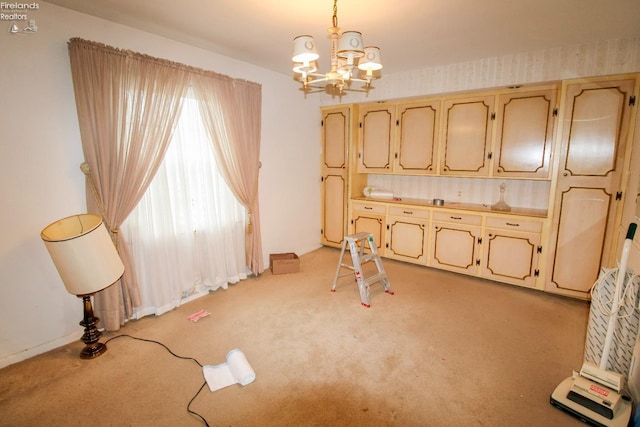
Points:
[(576, 135), (456, 241), (501, 134), (501, 247), (512, 249), (595, 142), (334, 168), (399, 137), (407, 233)]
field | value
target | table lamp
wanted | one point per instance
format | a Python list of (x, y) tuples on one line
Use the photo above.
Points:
[(87, 261)]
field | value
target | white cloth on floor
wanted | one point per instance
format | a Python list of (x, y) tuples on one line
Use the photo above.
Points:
[(236, 370)]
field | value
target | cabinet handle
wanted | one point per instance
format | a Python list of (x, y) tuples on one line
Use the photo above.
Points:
[(457, 218), (511, 224), (368, 207), (407, 212)]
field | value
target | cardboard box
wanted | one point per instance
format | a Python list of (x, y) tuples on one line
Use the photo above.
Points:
[(284, 263)]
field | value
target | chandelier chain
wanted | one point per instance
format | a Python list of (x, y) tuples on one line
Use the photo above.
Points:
[(335, 13)]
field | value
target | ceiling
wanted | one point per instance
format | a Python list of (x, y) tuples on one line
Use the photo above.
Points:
[(412, 34)]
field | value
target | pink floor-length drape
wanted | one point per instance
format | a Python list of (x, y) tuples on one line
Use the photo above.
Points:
[(128, 104), (231, 112)]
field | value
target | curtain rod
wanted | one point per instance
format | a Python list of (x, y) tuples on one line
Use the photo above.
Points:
[(87, 44)]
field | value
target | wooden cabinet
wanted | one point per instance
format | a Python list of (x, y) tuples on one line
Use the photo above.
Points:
[(577, 136), (416, 146), (334, 168), (455, 240), (525, 122), (511, 250), (375, 141), (399, 138), (370, 217), (407, 234), (467, 135), (593, 145)]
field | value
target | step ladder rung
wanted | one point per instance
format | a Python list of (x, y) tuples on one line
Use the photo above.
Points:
[(375, 278), (368, 257)]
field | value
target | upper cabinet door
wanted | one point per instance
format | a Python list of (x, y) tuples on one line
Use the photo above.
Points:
[(524, 133), (417, 138), (467, 134), (377, 127)]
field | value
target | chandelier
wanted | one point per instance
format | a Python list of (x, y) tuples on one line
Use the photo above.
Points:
[(348, 59)]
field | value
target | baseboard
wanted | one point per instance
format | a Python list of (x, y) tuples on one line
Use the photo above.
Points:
[(42, 348)]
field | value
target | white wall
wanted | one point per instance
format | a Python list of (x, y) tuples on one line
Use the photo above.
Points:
[(40, 154)]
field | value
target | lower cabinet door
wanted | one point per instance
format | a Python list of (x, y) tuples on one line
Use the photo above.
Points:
[(407, 239), (511, 257), (455, 247), (370, 223)]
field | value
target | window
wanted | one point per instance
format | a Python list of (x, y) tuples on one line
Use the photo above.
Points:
[(186, 234)]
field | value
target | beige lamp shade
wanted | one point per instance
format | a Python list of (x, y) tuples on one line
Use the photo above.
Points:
[(350, 45), (371, 60), (83, 253), (304, 50)]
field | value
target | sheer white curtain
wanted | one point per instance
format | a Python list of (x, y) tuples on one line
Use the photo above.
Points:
[(187, 234)]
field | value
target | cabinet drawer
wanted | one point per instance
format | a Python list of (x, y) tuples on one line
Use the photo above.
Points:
[(515, 224), (369, 207), (409, 211), (457, 217)]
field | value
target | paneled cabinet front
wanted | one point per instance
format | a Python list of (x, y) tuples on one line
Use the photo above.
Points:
[(399, 138), (407, 234), (334, 165), (370, 218), (467, 135), (524, 133), (375, 143), (455, 242), (511, 250), (594, 137)]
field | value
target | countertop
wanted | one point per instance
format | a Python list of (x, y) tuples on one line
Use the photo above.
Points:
[(538, 213)]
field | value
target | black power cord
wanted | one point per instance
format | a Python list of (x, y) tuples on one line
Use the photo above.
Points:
[(179, 357)]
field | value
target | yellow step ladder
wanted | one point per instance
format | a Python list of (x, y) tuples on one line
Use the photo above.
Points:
[(357, 245)]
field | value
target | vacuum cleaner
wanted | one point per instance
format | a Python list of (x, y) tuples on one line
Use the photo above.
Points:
[(597, 394)]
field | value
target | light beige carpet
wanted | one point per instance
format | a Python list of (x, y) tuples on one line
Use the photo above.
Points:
[(445, 350)]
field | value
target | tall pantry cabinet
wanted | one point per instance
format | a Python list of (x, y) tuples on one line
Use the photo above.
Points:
[(595, 145), (336, 181)]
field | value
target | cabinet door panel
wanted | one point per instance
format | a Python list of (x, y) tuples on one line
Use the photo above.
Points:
[(334, 213), (511, 257), (370, 223), (375, 139), (524, 134), (454, 247), (417, 138), (407, 240), (467, 136), (580, 242), (597, 117), (335, 140)]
